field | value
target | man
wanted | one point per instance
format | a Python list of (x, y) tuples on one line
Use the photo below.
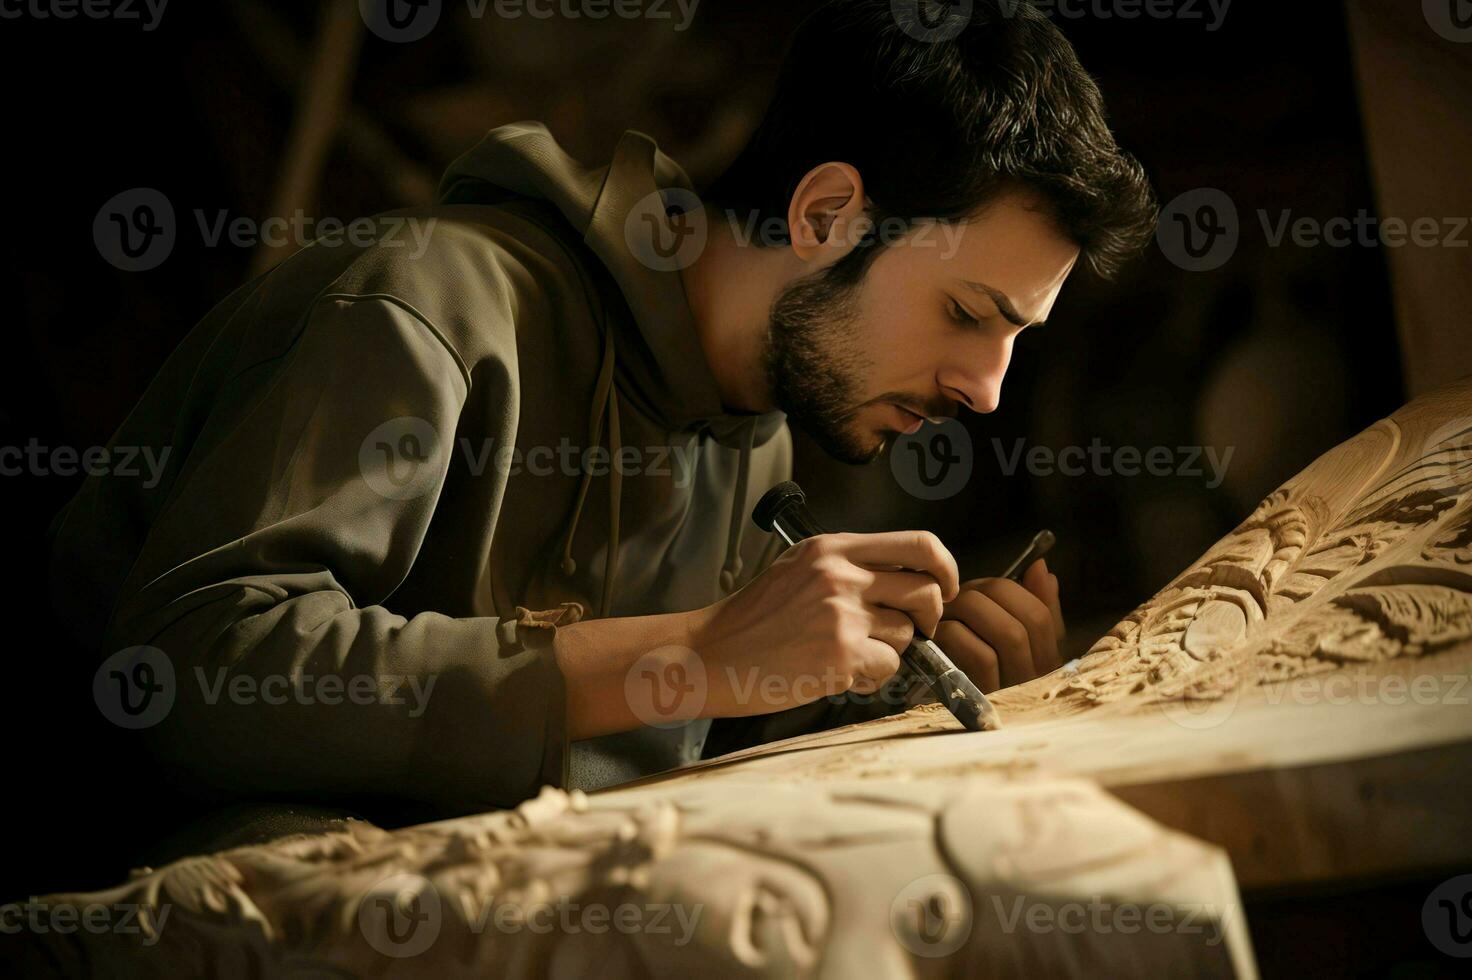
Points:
[(441, 529)]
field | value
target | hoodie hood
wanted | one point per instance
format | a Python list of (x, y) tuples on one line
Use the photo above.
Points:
[(617, 209), (627, 214)]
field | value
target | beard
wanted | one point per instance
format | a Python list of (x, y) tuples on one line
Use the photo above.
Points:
[(814, 365)]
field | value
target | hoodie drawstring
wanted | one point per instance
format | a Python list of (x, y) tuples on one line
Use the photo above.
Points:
[(605, 401), (731, 570)]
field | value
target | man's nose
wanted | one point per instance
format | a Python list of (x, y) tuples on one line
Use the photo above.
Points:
[(976, 380)]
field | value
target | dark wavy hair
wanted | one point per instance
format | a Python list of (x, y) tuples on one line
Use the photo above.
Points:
[(940, 116)]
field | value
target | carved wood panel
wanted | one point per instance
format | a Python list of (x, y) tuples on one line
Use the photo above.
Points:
[(906, 847)]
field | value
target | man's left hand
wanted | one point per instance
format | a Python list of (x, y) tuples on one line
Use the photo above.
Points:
[(1001, 633)]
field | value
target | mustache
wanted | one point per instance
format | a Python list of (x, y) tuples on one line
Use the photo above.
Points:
[(930, 409)]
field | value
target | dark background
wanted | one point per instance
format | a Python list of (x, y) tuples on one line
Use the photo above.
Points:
[(1278, 355)]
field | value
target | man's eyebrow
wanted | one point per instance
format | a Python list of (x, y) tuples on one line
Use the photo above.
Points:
[(1004, 305)]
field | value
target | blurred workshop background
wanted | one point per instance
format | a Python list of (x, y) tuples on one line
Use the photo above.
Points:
[(263, 107), (254, 108)]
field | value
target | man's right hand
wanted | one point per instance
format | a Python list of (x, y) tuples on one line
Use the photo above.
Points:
[(832, 614)]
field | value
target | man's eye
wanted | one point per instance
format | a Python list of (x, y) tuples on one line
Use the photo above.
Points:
[(959, 314)]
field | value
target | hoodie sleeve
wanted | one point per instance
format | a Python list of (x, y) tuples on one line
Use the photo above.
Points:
[(300, 510)]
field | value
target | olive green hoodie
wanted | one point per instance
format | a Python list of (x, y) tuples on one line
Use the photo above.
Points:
[(341, 500)]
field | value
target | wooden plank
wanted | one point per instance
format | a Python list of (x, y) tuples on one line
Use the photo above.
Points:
[(1298, 696), (1321, 652)]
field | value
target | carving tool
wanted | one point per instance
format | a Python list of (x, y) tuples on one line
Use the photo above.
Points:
[(1042, 543), (784, 509)]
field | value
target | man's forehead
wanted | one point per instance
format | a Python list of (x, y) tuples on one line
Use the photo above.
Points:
[(1010, 251), (1010, 232)]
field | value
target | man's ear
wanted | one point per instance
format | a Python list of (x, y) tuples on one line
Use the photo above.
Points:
[(826, 215)]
